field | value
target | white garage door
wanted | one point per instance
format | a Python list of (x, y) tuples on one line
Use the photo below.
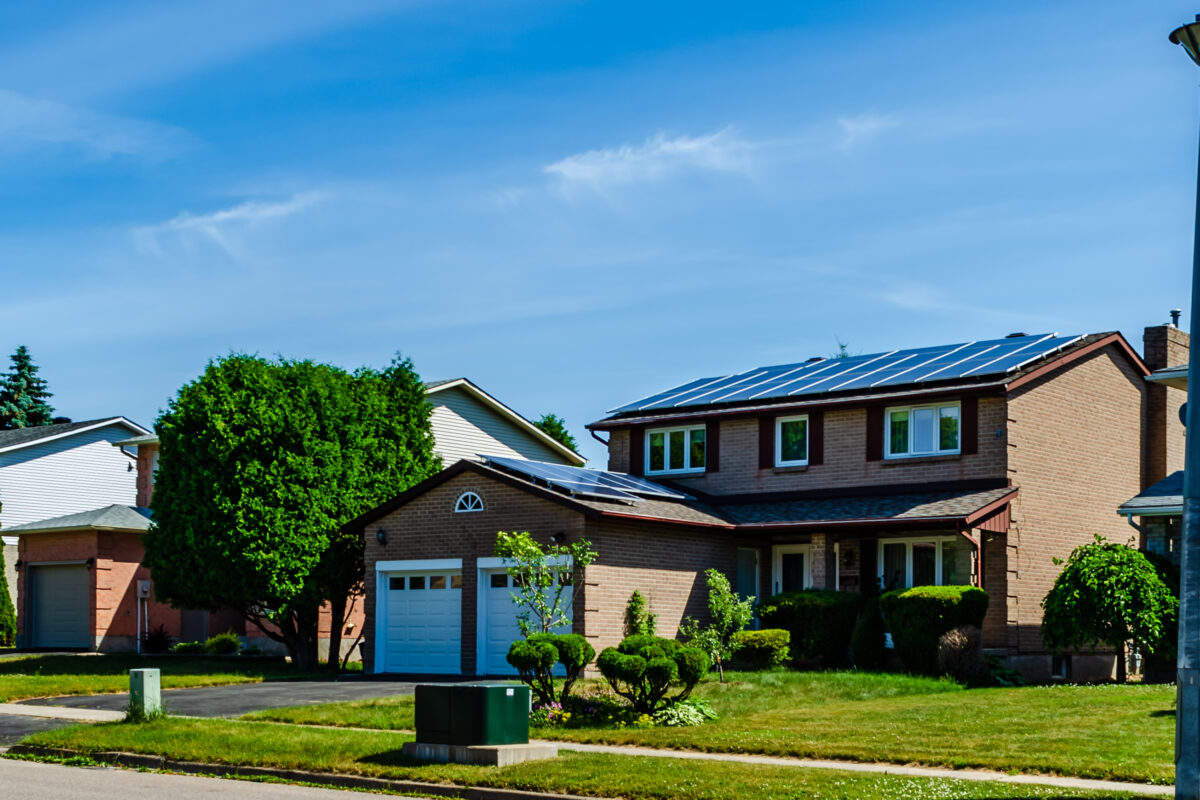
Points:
[(60, 606), (500, 623), (423, 623)]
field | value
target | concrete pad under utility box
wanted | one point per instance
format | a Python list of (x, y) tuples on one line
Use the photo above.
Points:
[(488, 755)]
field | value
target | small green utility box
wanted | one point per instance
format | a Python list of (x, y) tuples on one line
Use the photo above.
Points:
[(472, 713)]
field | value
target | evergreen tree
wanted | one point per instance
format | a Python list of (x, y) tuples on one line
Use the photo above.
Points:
[(23, 394), (556, 426), (8, 615)]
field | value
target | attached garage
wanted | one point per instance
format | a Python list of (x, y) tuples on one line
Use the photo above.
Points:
[(498, 627), (419, 616), (59, 606)]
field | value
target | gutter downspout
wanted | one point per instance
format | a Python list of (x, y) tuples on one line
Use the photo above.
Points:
[(1141, 531)]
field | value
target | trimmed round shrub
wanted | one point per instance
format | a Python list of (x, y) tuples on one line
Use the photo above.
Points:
[(868, 650), (762, 649), (820, 622), (642, 669), (960, 655), (918, 617), (534, 658)]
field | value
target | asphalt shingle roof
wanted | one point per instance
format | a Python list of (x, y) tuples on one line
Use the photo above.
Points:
[(23, 436), (915, 506), (109, 518), (1166, 496)]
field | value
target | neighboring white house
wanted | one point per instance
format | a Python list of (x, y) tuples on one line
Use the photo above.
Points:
[(468, 421), (53, 470)]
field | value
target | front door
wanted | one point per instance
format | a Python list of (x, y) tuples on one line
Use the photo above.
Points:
[(791, 567)]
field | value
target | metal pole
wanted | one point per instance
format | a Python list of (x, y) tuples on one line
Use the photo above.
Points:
[(1187, 704)]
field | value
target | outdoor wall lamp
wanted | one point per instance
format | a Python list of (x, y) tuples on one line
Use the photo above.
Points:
[(381, 536), (558, 537)]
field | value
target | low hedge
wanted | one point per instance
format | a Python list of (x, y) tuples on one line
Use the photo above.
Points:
[(820, 622), (762, 649), (918, 617)]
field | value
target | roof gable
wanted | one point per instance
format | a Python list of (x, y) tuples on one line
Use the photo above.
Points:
[(25, 437)]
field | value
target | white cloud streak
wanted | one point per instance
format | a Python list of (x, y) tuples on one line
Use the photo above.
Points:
[(27, 121), (658, 158), (222, 228)]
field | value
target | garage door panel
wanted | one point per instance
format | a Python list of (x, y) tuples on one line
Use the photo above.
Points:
[(60, 606), (423, 624), (501, 625)]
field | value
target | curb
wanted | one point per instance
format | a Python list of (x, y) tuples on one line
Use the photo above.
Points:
[(334, 779)]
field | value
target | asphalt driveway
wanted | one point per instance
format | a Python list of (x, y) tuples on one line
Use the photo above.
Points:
[(233, 701)]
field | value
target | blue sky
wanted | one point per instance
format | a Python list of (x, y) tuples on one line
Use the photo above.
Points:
[(577, 204)]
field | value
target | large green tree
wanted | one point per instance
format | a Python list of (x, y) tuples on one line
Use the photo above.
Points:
[(8, 615), (261, 462), (23, 394), (1108, 593), (556, 426)]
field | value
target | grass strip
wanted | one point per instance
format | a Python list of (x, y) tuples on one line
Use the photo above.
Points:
[(377, 754)]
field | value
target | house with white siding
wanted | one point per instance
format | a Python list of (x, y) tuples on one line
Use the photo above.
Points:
[(53, 470)]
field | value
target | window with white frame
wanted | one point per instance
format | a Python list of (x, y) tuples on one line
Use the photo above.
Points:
[(675, 449), (468, 501), (925, 561), (922, 430), (791, 441)]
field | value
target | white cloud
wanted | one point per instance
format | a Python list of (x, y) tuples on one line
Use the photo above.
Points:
[(657, 158), (865, 127), (221, 228), (27, 121)]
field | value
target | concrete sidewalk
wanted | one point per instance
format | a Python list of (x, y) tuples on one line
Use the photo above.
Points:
[(882, 769), (61, 712)]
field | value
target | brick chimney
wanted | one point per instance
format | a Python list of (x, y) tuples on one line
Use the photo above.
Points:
[(1163, 346)]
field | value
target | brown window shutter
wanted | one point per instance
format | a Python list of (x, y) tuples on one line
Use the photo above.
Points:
[(969, 432), (816, 437), (766, 442), (637, 450), (874, 433), (712, 446)]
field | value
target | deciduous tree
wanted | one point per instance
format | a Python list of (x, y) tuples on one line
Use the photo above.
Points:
[(544, 588), (728, 614), (556, 427), (260, 464), (1107, 593)]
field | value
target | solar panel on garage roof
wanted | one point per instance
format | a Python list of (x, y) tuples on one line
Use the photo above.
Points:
[(894, 368), (588, 482)]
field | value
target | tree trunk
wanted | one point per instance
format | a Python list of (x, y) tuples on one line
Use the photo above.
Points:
[(337, 621), (300, 636), (1121, 663)]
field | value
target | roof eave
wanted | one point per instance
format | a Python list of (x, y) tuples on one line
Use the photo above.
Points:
[(54, 437)]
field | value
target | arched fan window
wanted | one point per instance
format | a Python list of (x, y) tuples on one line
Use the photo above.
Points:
[(468, 501)]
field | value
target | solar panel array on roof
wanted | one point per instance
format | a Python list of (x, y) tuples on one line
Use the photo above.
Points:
[(585, 482), (860, 373)]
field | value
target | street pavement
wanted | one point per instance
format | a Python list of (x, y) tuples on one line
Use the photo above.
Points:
[(27, 780)]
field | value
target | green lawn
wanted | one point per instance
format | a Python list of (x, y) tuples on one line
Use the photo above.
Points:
[(637, 778), (1118, 732), (53, 676)]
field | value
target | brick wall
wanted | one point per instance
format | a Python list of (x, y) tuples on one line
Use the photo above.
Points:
[(1164, 346), (145, 473), (1075, 450), (117, 572), (845, 457), (50, 548), (666, 565)]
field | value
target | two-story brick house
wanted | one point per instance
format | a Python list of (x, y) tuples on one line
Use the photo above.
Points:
[(977, 463)]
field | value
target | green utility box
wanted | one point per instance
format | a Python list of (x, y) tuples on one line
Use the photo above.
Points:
[(472, 713)]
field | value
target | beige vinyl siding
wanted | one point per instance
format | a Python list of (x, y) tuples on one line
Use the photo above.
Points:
[(463, 427), (75, 473)]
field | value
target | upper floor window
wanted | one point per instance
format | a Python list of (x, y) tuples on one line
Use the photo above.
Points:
[(791, 441), (922, 430), (675, 449), (468, 501)]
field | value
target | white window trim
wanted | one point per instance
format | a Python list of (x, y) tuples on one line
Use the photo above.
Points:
[(887, 430), (687, 452), (777, 553), (465, 497), (779, 462), (909, 541)]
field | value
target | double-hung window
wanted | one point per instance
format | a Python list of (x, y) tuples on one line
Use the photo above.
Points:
[(675, 450), (791, 441), (922, 430)]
